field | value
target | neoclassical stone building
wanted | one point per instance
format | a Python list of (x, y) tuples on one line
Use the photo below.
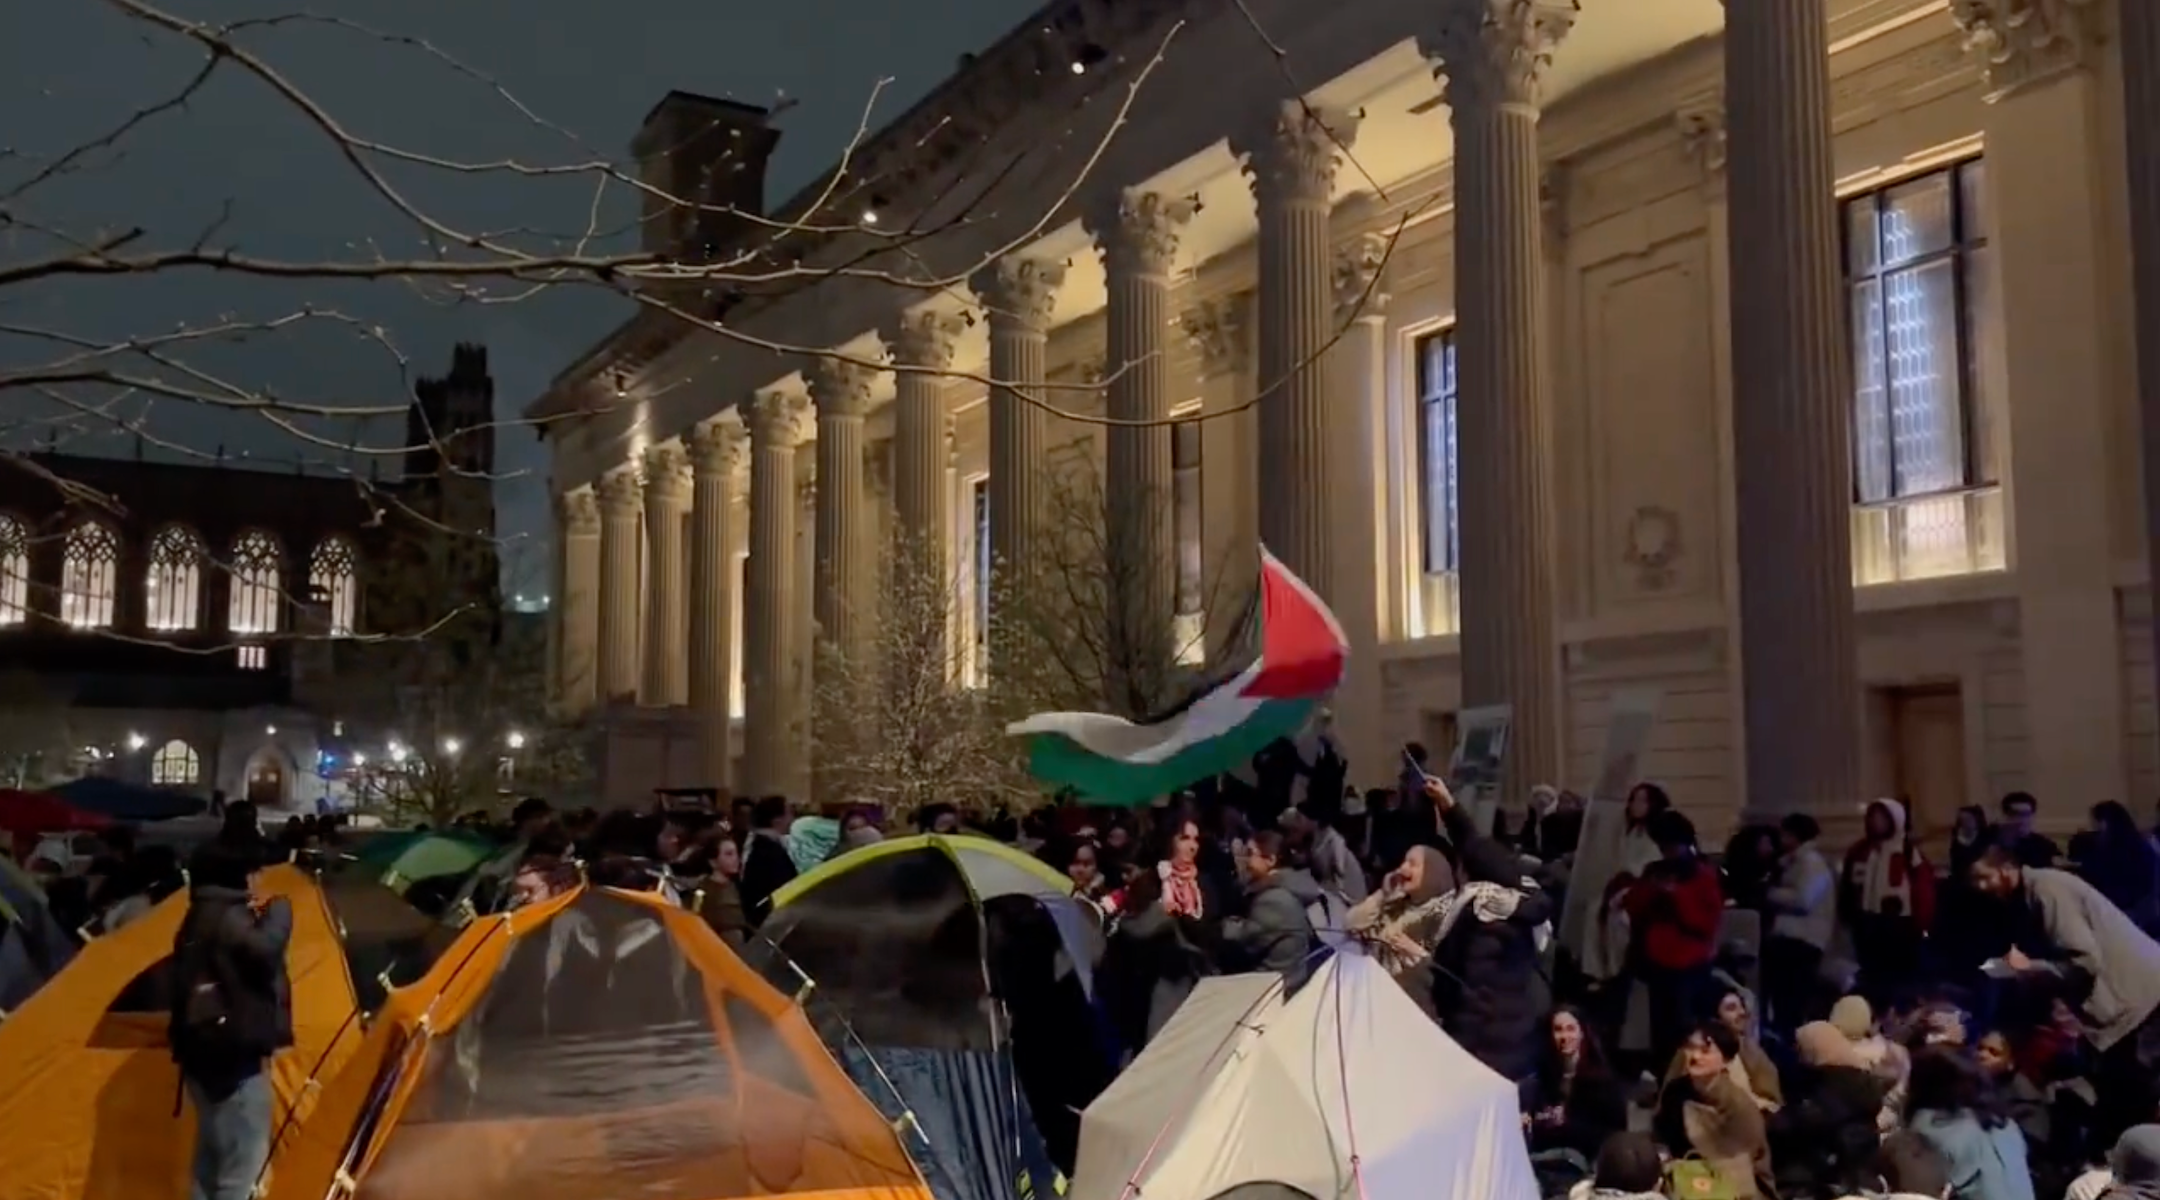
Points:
[(1776, 358)]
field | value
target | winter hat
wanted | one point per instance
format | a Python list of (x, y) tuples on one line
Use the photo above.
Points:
[(1852, 1017)]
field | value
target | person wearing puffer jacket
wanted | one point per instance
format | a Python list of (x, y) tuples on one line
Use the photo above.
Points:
[(1886, 896), (1274, 933)]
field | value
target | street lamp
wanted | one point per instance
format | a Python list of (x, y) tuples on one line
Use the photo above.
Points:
[(359, 758), (516, 740), (451, 746), (397, 753), (137, 741)]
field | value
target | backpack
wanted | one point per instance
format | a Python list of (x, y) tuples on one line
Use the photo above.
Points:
[(202, 1010)]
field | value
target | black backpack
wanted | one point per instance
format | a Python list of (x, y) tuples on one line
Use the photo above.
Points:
[(202, 1009)]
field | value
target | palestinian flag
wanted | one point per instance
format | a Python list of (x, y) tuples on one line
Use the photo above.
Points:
[(1109, 760)]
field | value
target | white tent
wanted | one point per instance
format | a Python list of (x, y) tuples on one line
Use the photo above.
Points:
[(1253, 1095)]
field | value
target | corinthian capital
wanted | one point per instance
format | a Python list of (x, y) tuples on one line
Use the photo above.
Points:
[(1357, 269), (579, 513), (716, 448), (1138, 232), (665, 467), (1218, 329), (1493, 53), (621, 492), (841, 388), (777, 418), (925, 339), (1292, 153), (1020, 290), (2019, 42)]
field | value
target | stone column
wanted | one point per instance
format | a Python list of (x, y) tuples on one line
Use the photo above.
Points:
[(770, 748), (1292, 156), (1137, 236), (620, 506), (2139, 35), (1358, 366), (666, 676), (716, 453), (1220, 330), (840, 597), (1792, 417), (577, 603), (1491, 56), (922, 341), (2048, 211), (1017, 295)]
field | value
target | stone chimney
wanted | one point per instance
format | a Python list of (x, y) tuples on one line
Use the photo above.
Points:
[(704, 152)]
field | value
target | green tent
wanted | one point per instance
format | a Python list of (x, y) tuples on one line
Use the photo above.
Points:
[(401, 860)]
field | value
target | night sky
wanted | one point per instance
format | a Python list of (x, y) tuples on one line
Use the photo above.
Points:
[(241, 163)]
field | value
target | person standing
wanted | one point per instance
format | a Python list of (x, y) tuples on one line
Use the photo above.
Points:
[(767, 866), (2110, 974), (231, 1013), (1803, 908), (1674, 911), (2020, 813), (1887, 899)]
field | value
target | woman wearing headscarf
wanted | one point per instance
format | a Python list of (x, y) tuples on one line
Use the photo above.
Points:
[(1400, 923), (1488, 985), (1826, 1135)]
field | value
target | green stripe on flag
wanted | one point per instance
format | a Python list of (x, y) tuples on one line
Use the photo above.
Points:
[(1063, 763)]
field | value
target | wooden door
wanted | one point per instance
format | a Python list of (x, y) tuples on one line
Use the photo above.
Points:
[(1930, 760), (266, 783)]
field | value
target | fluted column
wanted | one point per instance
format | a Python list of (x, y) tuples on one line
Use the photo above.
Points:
[(1220, 329), (1491, 55), (922, 344), (666, 679), (1358, 365), (2139, 35), (1792, 420), (1292, 157), (621, 504), (577, 603), (840, 597), (777, 418), (1017, 295), (1137, 235), (716, 453)]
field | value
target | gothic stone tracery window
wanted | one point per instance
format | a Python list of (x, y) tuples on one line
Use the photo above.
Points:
[(172, 599), (256, 594), (90, 576), (176, 765), (334, 577), (14, 571)]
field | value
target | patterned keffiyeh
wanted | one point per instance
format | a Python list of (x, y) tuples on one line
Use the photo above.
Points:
[(1490, 903)]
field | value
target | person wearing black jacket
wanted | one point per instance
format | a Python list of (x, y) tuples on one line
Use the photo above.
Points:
[(767, 866), (231, 1013), (1575, 1102)]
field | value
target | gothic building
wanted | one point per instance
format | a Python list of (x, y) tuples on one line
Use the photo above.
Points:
[(185, 624), (1773, 361)]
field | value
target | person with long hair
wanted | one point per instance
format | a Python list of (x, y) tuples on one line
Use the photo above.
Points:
[(1946, 1104), (2121, 864), (1575, 1102)]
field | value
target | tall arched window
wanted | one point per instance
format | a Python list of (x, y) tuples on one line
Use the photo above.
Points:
[(176, 765), (256, 595), (172, 590), (334, 578), (14, 571), (90, 576)]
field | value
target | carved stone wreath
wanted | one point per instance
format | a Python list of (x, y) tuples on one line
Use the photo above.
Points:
[(1653, 546)]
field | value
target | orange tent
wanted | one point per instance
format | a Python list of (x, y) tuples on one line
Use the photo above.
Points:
[(600, 1045), (86, 1108)]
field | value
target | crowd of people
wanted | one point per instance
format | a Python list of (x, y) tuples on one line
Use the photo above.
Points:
[(1771, 1021)]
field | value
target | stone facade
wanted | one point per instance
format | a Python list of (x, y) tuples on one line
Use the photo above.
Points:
[(1628, 485)]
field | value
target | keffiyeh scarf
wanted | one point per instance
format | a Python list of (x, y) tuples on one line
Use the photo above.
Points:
[(1489, 903)]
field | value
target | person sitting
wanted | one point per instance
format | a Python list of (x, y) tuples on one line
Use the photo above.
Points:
[(1986, 1153), (1708, 1114), (1907, 1167), (1751, 1068), (1825, 1136), (1575, 1102), (1629, 1167)]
